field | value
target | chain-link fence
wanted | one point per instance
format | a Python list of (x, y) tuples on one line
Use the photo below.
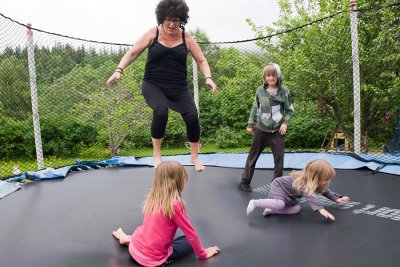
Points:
[(55, 107)]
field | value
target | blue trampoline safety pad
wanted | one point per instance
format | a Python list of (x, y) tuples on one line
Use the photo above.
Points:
[(292, 161), (229, 160)]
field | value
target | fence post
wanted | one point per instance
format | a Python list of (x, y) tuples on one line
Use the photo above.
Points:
[(195, 84), (356, 77), (34, 98)]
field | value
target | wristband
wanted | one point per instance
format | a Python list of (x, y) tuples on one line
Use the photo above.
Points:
[(209, 78)]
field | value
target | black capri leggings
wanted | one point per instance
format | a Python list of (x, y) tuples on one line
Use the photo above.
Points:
[(182, 103)]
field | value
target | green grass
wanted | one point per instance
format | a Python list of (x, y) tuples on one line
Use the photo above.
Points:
[(181, 150), (89, 154)]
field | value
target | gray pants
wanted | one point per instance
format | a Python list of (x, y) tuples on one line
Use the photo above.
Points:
[(261, 140)]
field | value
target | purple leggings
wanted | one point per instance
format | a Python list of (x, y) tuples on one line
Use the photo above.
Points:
[(277, 206)]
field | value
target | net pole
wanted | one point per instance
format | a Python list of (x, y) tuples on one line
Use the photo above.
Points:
[(34, 98), (195, 84), (356, 77)]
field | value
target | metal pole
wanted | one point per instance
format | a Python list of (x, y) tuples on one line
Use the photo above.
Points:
[(34, 98), (196, 89), (356, 77), (195, 84)]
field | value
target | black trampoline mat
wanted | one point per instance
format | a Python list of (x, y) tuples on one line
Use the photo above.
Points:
[(68, 222)]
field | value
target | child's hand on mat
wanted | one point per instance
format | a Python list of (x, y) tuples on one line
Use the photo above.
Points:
[(326, 214), (342, 199), (211, 251)]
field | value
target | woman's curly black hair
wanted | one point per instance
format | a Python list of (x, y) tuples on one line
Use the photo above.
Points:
[(172, 9)]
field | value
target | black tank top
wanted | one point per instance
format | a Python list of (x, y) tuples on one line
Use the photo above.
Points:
[(166, 67)]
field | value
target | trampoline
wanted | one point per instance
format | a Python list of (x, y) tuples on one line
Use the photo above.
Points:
[(68, 222)]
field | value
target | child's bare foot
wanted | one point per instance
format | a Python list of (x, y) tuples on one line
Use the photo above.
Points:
[(197, 164), (156, 161), (123, 238)]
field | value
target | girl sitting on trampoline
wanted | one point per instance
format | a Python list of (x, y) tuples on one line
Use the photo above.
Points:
[(153, 243), (307, 183)]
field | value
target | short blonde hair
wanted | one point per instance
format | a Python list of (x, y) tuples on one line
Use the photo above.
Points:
[(309, 178), (170, 179)]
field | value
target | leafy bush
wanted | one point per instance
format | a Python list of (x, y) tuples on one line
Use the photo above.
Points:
[(66, 137), (307, 130), (227, 137), (15, 143)]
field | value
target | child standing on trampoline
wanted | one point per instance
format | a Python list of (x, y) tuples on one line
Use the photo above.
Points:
[(307, 183), (153, 243), (268, 122)]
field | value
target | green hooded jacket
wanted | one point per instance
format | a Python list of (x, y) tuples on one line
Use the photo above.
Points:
[(270, 111)]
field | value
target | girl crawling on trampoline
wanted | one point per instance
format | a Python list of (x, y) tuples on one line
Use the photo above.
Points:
[(312, 180), (153, 243)]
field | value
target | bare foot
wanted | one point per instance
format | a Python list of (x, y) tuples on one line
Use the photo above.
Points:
[(197, 165), (156, 161), (123, 238)]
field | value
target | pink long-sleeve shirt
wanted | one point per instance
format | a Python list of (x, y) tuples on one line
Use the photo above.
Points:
[(151, 242)]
